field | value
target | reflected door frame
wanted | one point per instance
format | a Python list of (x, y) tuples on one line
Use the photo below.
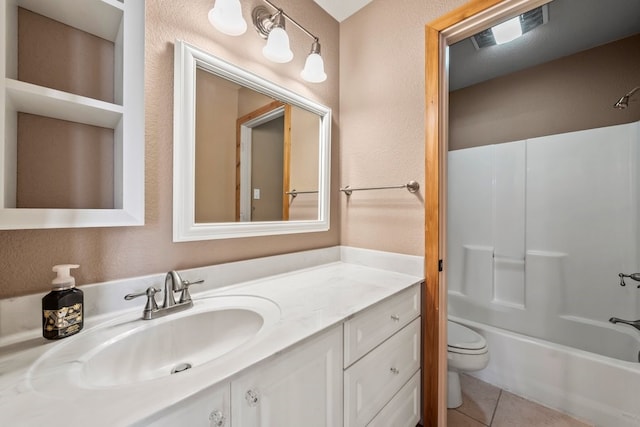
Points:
[(461, 23), (244, 126)]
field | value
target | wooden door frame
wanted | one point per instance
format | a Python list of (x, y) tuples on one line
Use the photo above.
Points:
[(457, 25)]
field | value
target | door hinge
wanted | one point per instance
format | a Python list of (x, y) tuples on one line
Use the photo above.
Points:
[(440, 268)]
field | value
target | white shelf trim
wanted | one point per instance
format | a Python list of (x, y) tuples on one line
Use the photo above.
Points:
[(29, 98)]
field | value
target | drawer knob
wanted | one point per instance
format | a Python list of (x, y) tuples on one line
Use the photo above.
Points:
[(394, 371), (217, 419), (252, 397), (395, 317)]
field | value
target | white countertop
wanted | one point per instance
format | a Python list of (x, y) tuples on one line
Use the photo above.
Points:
[(311, 300)]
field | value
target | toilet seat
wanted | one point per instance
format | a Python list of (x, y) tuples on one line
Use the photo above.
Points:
[(463, 340)]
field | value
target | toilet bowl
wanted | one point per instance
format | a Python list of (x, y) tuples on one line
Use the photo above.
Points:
[(466, 351)]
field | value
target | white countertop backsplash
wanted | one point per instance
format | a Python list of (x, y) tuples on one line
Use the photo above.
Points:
[(314, 289)]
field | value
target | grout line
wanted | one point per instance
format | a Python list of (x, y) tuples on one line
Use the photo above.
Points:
[(495, 409)]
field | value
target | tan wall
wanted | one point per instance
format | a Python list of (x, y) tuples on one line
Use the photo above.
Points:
[(382, 121), (250, 101), (569, 94), (216, 116), (26, 256), (305, 128)]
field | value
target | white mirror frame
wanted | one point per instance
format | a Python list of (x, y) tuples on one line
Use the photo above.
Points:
[(187, 59)]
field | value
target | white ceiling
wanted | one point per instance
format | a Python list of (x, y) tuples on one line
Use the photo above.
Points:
[(342, 9)]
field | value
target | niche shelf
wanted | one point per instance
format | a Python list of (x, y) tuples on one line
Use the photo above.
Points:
[(121, 24), (29, 98)]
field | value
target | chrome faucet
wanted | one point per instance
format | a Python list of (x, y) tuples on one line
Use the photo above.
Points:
[(634, 323), (172, 283)]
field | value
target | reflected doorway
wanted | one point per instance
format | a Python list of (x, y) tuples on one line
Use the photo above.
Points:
[(263, 164)]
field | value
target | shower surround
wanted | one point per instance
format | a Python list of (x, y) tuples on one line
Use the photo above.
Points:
[(538, 231)]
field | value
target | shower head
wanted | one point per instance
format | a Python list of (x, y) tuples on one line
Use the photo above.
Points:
[(623, 102)]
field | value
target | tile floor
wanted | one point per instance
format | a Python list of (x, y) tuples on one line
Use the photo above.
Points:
[(486, 405)]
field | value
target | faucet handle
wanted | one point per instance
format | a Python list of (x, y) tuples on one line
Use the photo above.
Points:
[(184, 295), (633, 276), (151, 299)]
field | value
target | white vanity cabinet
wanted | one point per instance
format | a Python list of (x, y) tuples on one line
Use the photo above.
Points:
[(383, 358), (363, 372), (209, 408), (301, 387)]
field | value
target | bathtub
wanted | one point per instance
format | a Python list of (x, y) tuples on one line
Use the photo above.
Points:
[(595, 388)]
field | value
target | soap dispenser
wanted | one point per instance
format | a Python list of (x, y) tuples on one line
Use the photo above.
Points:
[(63, 307)]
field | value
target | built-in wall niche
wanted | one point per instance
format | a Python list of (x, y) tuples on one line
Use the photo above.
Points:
[(72, 152)]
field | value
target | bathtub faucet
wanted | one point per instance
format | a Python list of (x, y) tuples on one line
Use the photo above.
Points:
[(634, 323), (633, 276)]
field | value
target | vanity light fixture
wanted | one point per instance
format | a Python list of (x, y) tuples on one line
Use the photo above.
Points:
[(226, 17), (277, 48), (266, 24)]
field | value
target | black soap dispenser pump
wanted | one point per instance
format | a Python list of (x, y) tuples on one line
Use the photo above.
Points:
[(63, 307)]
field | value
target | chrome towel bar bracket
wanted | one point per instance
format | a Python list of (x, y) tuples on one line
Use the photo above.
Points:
[(294, 193)]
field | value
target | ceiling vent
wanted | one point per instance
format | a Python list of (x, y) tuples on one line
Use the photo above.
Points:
[(528, 21)]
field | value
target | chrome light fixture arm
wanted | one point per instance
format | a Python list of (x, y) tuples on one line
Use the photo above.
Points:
[(261, 15)]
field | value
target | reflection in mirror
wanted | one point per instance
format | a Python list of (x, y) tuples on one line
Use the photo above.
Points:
[(250, 157), (251, 150)]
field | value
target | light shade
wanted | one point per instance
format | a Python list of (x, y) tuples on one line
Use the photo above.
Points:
[(507, 31), (277, 48), (313, 70), (226, 17)]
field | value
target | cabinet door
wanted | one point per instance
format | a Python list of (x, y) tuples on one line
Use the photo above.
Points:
[(209, 408), (301, 387), (404, 409)]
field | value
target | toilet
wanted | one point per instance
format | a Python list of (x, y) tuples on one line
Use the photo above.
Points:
[(466, 351)]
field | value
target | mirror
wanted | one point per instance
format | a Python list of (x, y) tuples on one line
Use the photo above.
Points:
[(251, 158)]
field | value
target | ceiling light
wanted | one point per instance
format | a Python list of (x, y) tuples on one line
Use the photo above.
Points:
[(528, 21), (507, 31), (226, 17)]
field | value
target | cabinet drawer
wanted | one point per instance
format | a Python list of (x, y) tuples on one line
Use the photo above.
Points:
[(404, 409), (372, 381), (369, 328)]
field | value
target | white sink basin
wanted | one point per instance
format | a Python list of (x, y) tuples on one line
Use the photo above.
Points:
[(127, 352)]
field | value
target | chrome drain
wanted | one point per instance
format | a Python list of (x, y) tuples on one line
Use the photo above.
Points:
[(181, 367)]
